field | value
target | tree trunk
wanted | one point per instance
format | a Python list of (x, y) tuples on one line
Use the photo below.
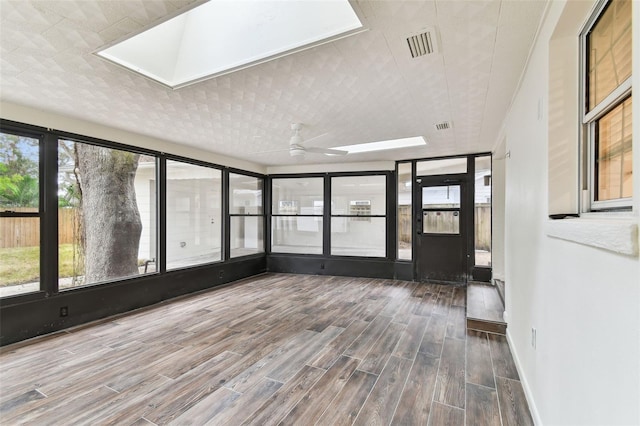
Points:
[(111, 224)]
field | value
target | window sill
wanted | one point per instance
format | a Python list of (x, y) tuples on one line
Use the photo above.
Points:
[(612, 233)]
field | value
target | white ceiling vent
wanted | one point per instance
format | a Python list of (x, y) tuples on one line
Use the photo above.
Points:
[(443, 126), (422, 44)]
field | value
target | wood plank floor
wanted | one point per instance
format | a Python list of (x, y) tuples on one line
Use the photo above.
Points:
[(274, 349)]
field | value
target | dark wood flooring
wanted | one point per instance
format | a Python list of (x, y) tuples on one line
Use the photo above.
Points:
[(274, 349)]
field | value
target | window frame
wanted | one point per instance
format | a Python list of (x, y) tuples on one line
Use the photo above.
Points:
[(45, 270), (165, 181), (329, 211), (273, 215), (590, 119), (228, 215)]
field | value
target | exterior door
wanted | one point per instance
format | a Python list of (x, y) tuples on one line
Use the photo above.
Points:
[(441, 225)]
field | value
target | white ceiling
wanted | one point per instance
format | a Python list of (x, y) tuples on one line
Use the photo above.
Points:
[(359, 89)]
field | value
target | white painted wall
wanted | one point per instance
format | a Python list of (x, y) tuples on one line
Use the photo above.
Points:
[(583, 301)]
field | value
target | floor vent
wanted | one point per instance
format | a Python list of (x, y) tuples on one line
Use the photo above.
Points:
[(443, 126), (421, 44)]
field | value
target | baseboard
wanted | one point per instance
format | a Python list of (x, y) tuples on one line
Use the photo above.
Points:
[(525, 384)]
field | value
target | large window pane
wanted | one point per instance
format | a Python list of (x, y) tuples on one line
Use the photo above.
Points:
[(296, 234), (351, 236), (297, 196), (482, 211), (19, 171), (108, 199), (19, 255), (608, 50), (297, 206), (245, 194), (19, 201), (247, 235), (194, 214), (441, 167), (358, 195), (404, 211), (614, 155)]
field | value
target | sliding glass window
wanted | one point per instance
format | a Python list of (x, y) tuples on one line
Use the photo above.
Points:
[(246, 215), (20, 214), (358, 215), (194, 214), (107, 214), (297, 209)]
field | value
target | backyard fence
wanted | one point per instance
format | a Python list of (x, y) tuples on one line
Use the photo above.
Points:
[(25, 231)]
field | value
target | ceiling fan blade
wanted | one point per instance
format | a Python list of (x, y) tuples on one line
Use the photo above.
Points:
[(326, 151)]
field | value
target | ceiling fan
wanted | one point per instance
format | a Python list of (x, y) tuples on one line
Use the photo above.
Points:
[(297, 149)]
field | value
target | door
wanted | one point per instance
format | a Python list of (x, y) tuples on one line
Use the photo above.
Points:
[(441, 226)]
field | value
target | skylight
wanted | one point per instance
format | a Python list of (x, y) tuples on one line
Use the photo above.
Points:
[(383, 145), (222, 36)]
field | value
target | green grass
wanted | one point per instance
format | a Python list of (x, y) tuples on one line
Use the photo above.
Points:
[(22, 264)]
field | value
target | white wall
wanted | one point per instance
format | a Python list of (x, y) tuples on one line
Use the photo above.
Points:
[(583, 301)]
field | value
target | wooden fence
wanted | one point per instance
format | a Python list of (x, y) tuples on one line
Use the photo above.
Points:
[(25, 231), (482, 219)]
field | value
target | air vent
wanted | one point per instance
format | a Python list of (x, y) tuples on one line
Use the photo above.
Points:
[(421, 44), (443, 126)]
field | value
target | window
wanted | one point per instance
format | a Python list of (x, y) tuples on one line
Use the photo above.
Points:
[(358, 216), (404, 211), (445, 166), (482, 211), (441, 209), (607, 116), (297, 209), (194, 214), (20, 216), (246, 215), (107, 214)]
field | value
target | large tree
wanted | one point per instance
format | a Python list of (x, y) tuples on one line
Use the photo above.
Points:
[(111, 224)]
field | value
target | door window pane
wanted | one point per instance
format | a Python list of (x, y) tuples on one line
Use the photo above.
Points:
[(441, 167), (19, 173), (441, 222), (19, 255), (108, 199), (194, 214), (245, 194), (441, 196), (404, 211), (247, 235), (358, 195), (482, 211), (351, 236)]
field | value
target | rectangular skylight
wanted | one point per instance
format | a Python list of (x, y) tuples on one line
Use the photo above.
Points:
[(223, 36), (383, 145)]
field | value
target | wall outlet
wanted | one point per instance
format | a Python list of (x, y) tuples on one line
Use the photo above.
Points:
[(64, 311), (533, 337), (221, 274), (322, 266)]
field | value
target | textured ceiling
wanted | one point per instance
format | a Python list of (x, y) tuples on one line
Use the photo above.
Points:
[(359, 89)]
